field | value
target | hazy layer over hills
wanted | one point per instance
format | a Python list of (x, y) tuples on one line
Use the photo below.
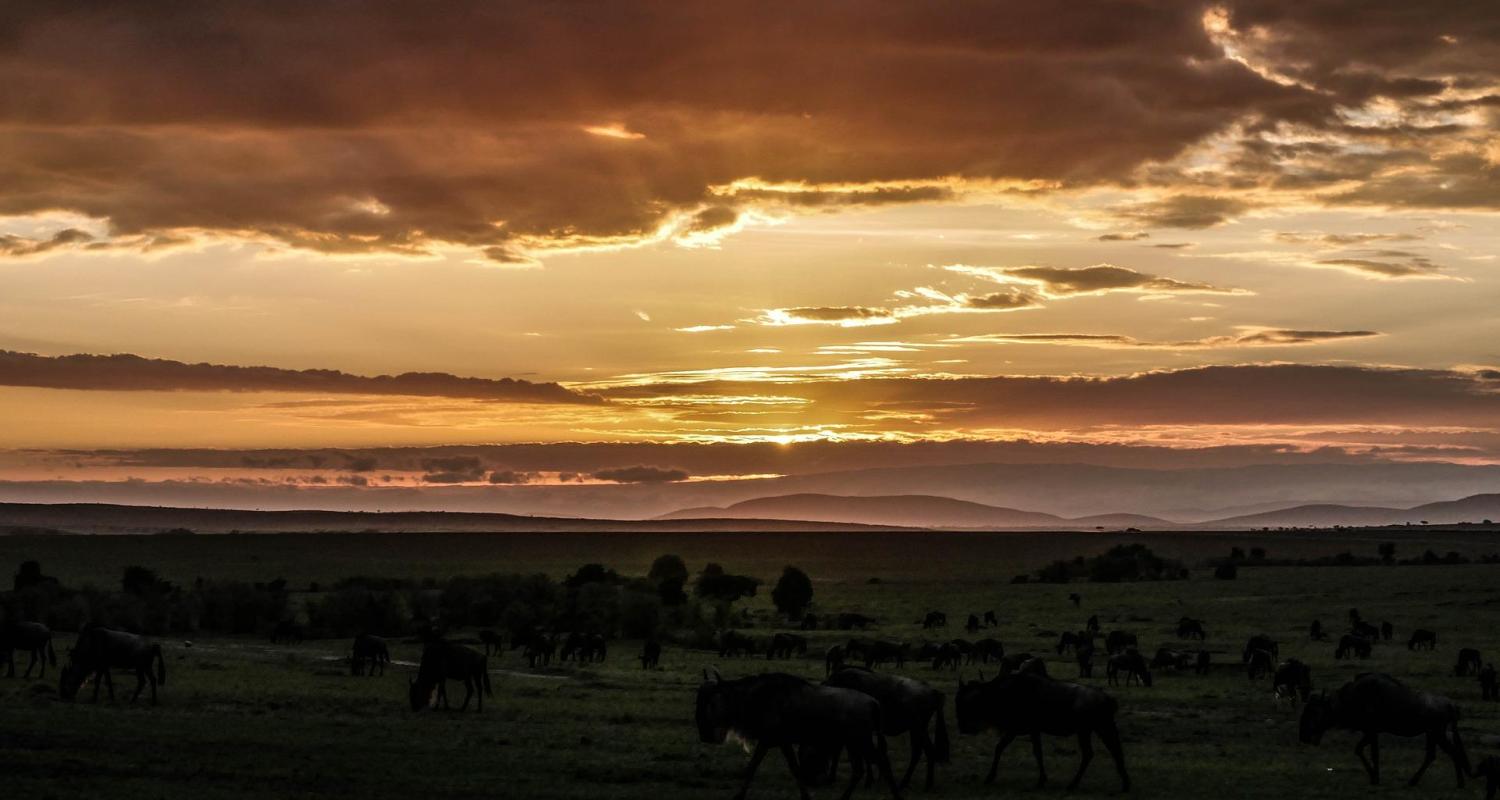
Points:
[(906, 510)]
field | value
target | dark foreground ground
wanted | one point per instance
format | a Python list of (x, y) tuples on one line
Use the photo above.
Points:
[(243, 718)]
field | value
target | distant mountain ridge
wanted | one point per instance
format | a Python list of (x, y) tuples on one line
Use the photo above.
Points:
[(1475, 508), (913, 511)]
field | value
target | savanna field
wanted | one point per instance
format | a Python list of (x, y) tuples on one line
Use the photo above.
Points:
[(242, 717)]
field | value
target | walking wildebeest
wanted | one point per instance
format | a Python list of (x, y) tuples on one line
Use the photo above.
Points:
[(98, 650), (786, 645), (1351, 645), (1031, 705), (33, 638), (990, 620), (368, 654), (286, 632), (650, 654), (1119, 641), (442, 661), (1489, 684), (1374, 703), (1085, 657), (734, 643), (1259, 662), (906, 706), (775, 710), (1489, 769), (935, 619), (1469, 663), (1293, 680), (1130, 662), (1189, 628), (1260, 642), (1422, 639), (1387, 630), (1072, 641), (493, 642)]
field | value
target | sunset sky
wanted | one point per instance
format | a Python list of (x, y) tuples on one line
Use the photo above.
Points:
[(1262, 227)]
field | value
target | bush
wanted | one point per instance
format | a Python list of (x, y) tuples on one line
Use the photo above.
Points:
[(793, 593), (716, 584)]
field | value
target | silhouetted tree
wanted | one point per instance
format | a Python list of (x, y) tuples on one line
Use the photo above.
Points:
[(666, 568), (716, 584), (29, 575), (793, 593)]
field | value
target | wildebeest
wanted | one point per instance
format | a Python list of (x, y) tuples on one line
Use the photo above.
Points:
[(948, 655), (809, 622), (986, 650), (1071, 641), (1014, 662), (786, 645), (1119, 641), (1489, 684), (1293, 680), (935, 619), (1422, 639), (368, 654), (1085, 658), (538, 648), (1387, 630), (1351, 645), (33, 638), (584, 648), (782, 711), (1259, 662), (493, 642), (876, 652), (1489, 769), (650, 654), (1260, 642), (443, 661), (1469, 663), (1167, 658), (1130, 662), (1076, 599), (1365, 630), (1189, 628), (98, 650), (990, 620), (734, 643), (1092, 624), (1374, 703), (1315, 631), (972, 625), (906, 706), (1201, 664), (1031, 705), (286, 632), (849, 621), (834, 659)]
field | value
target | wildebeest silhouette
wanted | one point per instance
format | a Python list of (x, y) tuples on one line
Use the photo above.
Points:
[(537, 648), (1119, 641), (849, 621), (986, 650), (1031, 705), (1354, 616), (776, 710), (1387, 630), (906, 706), (935, 619), (1132, 664), (1469, 663), (1489, 769), (98, 650), (1072, 641), (1092, 623), (443, 661), (1315, 631), (32, 638), (990, 620), (1293, 680), (287, 632), (1014, 662), (1259, 662), (368, 654), (1189, 628), (1365, 630), (786, 645), (650, 654), (1085, 657), (878, 652), (586, 648), (1422, 639), (493, 642), (1260, 642), (972, 625), (834, 659), (948, 655), (734, 643), (1374, 703), (1076, 599), (1351, 646), (1167, 658), (1489, 684)]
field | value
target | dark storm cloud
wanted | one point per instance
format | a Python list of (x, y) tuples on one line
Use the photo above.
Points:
[(124, 372)]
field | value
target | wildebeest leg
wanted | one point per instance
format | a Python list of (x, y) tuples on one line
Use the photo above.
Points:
[(791, 762), (760, 753), (1036, 751), (1005, 739), (1111, 738), (140, 683), (1449, 749), (1427, 758), (1085, 755), (920, 745), (468, 693), (1372, 769), (32, 663)]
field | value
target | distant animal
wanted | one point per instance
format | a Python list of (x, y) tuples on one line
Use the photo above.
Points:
[(935, 619), (1489, 769), (734, 643), (1189, 628), (848, 621), (1469, 663), (1167, 658), (986, 650), (1351, 646), (1132, 664), (1119, 641), (585, 648), (1489, 684), (1085, 657), (949, 655), (990, 620), (493, 642), (1032, 705), (538, 649), (1365, 630), (834, 659), (286, 632), (877, 652), (650, 654), (1374, 703), (1387, 630), (1422, 639), (972, 625), (1202, 663), (32, 638), (1092, 624), (906, 706), (779, 711), (1293, 680), (1260, 642), (1354, 616), (98, 650), (1315, 631), (1260, 662), (1076, 599), (368, 655), (1070, 641), (443, 661), (786, 645)]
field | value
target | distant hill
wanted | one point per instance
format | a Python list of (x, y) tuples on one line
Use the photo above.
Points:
[(924, 511), (1475, 508)]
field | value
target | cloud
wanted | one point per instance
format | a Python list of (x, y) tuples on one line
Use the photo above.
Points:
[(508, 476), (1395, 265), (1340, 240), (19, 246), (842, 316), (125, 372), (1056, 282), (641, 474), (1123, 237), (1185, 211), (1247, 337)]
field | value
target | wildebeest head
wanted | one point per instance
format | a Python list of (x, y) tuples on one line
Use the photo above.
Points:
[(713, 714), (72, 678), (1317, 717)]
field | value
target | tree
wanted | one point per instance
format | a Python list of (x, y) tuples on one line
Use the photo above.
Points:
[(793, 593), (716, 584), (667, 568)]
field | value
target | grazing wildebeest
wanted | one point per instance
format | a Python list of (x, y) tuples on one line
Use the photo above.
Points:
[(493, 642), (734, 643), (98, 650), (1085, 657), (1076, 599), (442, 661), (1469, 663), (1351, 646), (1119, 641), (33, 638), (1374, 703), (1130, 662), (1365, 630), (849, 621), (368, 654), (650, 654), (1387, 630), (1489, 769), (906, 706), (286, 632), (1031, 705), (538, 648), (1315, 631), (1422, 639), (1201, 665), (1293, 680), (972, 625), (935, 619), (990, 620), (877, 652), (1260, 642), (782, 711), (949, 655), (1072, 641), (1189, 628), (1489, 684), (786, 645), (1259, 662), (986, 650), (1167, 658)]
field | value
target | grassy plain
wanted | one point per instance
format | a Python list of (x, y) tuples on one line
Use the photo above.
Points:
[(241, 718)]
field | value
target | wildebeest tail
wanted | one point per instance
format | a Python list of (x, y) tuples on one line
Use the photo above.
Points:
[(161, 665), (484, 670), (940, 737), (51, 653)]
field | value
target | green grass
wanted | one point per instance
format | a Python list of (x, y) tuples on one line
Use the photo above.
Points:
[(242, 718)]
